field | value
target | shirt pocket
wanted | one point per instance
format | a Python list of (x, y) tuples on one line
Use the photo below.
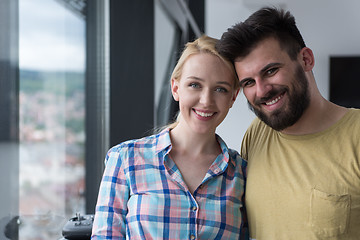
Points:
[(329, 213)]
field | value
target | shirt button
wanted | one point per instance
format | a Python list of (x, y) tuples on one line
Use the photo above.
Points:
[(192, 236), (194, 208)]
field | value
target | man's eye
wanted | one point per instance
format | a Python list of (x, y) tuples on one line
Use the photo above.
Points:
[(271, 71), (248, 83)]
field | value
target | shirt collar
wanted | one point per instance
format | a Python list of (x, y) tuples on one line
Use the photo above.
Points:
[(164, 141), (221, 162), (224, 148)]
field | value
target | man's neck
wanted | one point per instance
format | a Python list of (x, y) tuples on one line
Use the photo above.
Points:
[(319, 116)]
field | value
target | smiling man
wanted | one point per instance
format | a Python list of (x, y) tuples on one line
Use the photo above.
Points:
[(303, 151)]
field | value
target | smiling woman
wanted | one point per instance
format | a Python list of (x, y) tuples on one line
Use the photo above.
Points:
[(183, 182)]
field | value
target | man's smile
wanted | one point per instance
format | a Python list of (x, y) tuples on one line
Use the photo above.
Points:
[(275, 100)]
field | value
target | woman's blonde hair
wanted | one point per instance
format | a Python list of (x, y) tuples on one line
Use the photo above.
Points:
[(203, 44)]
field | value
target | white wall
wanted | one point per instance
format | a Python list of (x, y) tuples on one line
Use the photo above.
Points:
[(329, 27)]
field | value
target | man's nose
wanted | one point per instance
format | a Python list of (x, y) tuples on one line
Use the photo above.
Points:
[(262, 88)]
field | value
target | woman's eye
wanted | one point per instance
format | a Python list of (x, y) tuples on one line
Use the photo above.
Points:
[(194, 85), (221, 89)]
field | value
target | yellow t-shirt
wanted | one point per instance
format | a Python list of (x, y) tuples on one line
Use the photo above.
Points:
[(304, 187)]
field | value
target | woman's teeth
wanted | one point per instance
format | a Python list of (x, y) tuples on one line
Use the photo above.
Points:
[(203, 114)]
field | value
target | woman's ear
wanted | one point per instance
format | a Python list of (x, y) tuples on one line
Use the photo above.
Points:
[(235, 94), (175, 89), (307, 59)]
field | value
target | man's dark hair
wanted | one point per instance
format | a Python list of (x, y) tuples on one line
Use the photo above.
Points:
[(240, 39)]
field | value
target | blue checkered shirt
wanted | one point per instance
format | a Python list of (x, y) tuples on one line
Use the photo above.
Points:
[(143, 196)]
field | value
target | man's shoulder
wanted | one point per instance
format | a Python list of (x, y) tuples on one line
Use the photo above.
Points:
[(255, 136), (354, 111), (258, 127), (350, 123), (351, 119)]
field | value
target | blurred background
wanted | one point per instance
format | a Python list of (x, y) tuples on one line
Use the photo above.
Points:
[(79, 76)]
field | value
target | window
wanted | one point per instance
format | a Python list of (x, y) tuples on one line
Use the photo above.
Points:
[(55, 104), (174, 26), (52, 115)]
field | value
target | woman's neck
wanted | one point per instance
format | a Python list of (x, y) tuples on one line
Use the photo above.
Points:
[(183, 139), (193, 154)]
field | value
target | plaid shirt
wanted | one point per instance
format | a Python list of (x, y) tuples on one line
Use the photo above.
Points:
[(143, 196)]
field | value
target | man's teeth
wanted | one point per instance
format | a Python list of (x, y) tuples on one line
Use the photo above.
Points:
[(273, 101), (204, 114)]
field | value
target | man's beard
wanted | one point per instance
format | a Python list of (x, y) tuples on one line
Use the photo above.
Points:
[(299, 100)]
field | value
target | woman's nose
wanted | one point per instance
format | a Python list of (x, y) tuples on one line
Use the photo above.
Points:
[(206, 97)]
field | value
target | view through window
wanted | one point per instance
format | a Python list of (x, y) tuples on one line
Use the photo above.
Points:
[(52, 116)]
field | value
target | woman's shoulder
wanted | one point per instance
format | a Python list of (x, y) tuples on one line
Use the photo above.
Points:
[(234, 154), (150, 141), (238, 162), (140, 149)]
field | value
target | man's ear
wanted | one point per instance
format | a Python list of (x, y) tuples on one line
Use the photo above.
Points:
[(175, 89), (307, 59)]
